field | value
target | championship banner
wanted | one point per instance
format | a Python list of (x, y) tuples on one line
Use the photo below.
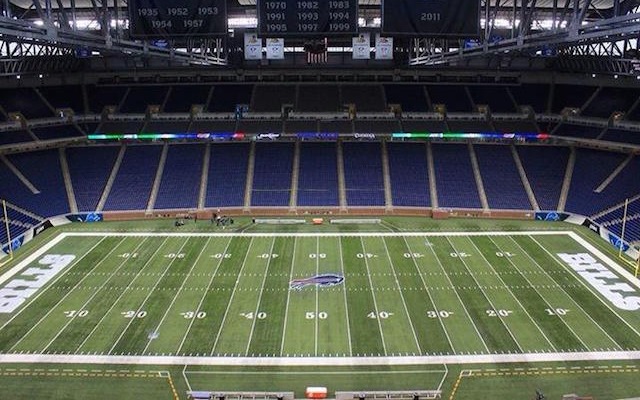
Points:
[(362, 47), (384, 47), (252, 47), (275, 49)]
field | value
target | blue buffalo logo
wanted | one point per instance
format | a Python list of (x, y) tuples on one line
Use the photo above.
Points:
[(323, 280)]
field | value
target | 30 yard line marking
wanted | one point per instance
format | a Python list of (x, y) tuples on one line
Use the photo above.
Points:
[(464, 307), (486, 297), (404, 303), (512, 295), (94, 294), (146, 264), (373, 295), (286, 309), (344, 294), (65, 296), (515, 266), (146, 298), (226, 311), (264, 279), (213, 276), (433, 303), (175, 296)]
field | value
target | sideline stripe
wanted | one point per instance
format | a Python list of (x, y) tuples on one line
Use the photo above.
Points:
[(317, 234)]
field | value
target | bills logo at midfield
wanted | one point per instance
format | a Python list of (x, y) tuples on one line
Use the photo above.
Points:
[(324, 280)]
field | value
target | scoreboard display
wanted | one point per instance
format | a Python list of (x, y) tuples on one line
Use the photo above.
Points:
[(435, 18), (171, 18), (280, 18)]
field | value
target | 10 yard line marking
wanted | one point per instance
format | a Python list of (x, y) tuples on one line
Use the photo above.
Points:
[(184, 337), (146, 264)]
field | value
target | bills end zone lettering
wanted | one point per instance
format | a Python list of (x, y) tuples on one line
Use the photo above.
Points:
[(18, 290)]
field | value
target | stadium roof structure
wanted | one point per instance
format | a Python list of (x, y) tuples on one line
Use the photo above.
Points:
[(49, 36)]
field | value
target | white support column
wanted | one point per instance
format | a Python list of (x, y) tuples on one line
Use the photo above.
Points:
[(566, 184), (156, 182), (68, 185), (248, 188), (478, 177), (112, 179), (204, 177), (525, 179), (295, 175)]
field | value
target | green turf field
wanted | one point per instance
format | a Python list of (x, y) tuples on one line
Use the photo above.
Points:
[(254, 302)]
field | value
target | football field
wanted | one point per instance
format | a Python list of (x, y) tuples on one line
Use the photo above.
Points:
[(320, 298)]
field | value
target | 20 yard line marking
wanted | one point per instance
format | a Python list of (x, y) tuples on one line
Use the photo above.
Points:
[(94, 294), (233, 293), (255, 315), (173, 301), (215, 273), (146, 264), (115, 344)]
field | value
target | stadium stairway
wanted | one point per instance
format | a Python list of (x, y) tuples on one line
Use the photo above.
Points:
[(112, 178), (433, 189), (250, 172), (478, 177), (615, 173), (342, 186), (386, 178), (204, 178), (566, 184), (525, 180), (295, 173), (158, 178), (68, 185)]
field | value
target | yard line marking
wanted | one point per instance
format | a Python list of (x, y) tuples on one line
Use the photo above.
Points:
[(233, 293), (32, 258), (264, 279), (464, 307), (286, 309), (404, 303), (175, 296), (486, 297), (436, 309), (316, 320), (373, 295), (66, 294), (541, 296), (344, 294), (213, 276), (513, 295), (93, 295), (566, 268), (146, 298)]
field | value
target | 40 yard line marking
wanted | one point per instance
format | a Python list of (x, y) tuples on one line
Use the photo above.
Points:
[(233, 293), (146, 298), (286, 309), (344, 294), (215, 273), (404, 303), (264, 279), (146, 264), (173, 301), (373, 295)]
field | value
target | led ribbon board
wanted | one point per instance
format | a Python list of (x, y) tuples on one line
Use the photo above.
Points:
[(175, 18), (319, 18), (436, 18)]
